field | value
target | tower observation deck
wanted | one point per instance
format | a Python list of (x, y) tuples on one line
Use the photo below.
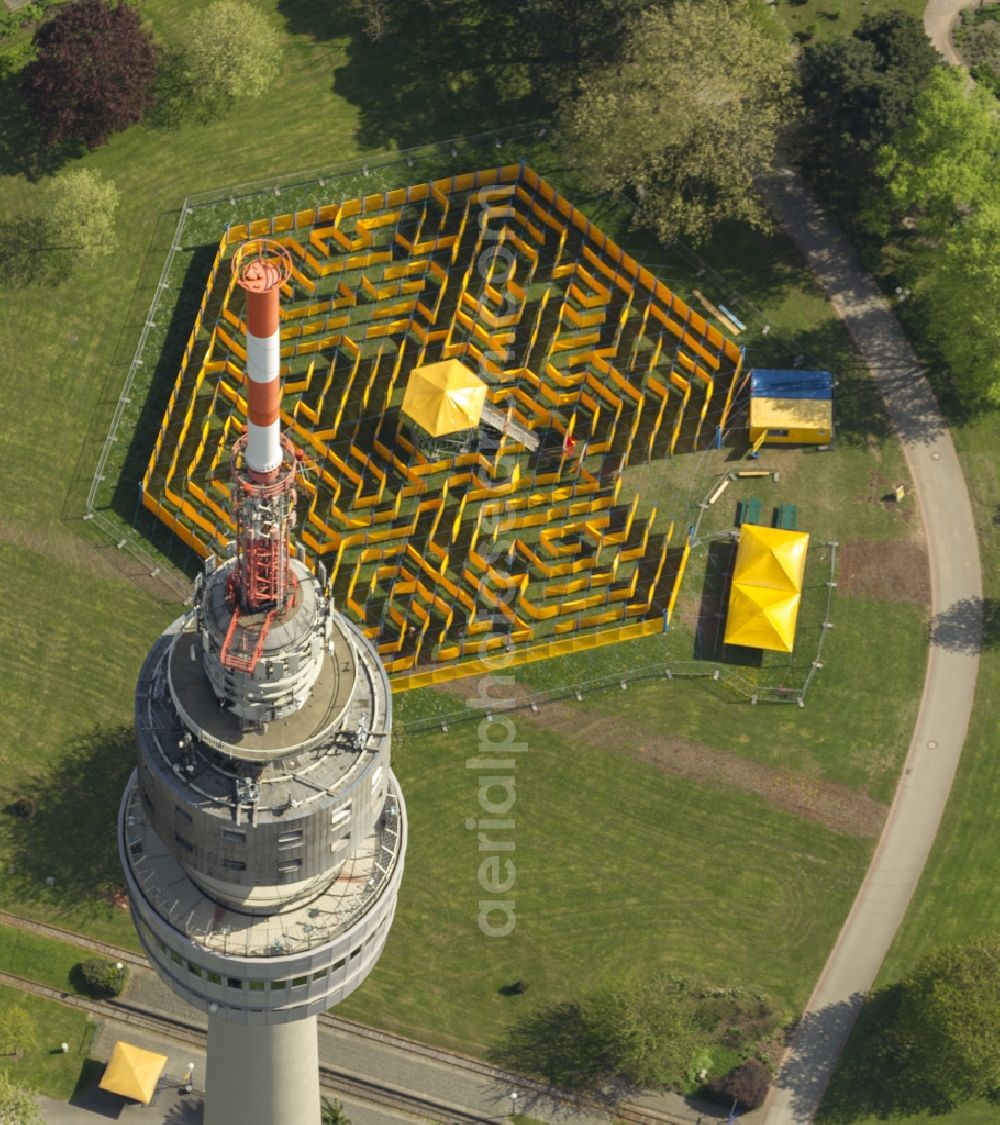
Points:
[(262, 834)]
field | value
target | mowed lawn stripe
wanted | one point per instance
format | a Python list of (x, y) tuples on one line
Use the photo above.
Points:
[(617, 865)]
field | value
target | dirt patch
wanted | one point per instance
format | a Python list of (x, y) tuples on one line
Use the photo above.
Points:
[(834, 806), (892, 570)]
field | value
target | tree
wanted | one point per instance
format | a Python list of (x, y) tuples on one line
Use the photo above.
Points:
[(17, 1032), (638, 1031), (92, 74), (689, 118), (232, 51), (858, 90), (648, 1031), (17, 1105), (332, 1113), (746, 1084), (943, 162), (948, 1023), (961, 293), (81, 206)]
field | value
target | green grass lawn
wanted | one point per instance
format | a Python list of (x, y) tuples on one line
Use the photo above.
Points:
[(44, 1068), (828, 19), (956, 899), (617, 865), (40, 959)]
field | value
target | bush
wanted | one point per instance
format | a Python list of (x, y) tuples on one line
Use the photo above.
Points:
[(24, 807), (102, 978), (746, 1084)]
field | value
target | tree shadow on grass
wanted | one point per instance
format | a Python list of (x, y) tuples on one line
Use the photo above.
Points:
[(558, 1043), (875, 1078), (434, 75), (72, 836), (22, 150), (26, 260)]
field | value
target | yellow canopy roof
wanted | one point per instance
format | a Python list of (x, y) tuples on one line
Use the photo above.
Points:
[(762, 618), (771, 557), (767, 588), (791, 414), (133, 1072), (443, 398)]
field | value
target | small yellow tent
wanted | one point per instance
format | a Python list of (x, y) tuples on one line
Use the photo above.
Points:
[(444, 398), (767, 588), (133, 1072)]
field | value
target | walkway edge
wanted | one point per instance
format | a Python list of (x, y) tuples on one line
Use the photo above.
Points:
[(949, 685)]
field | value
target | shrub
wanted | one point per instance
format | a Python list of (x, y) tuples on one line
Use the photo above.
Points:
[(102, 978), (24, 807), (746, 1084)]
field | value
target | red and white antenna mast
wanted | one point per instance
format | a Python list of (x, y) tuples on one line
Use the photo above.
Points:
[(263, 464)]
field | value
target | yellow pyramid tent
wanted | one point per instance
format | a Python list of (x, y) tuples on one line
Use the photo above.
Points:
[(767, 588), (762, 618), (771, 557), (133, 1072), (444, 398)]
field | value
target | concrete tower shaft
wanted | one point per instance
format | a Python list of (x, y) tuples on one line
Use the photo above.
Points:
[(262, 834)]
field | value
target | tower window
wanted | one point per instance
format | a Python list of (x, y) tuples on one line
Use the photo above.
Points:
[(185, 844), (182, 814), (289, 865), (290, 839), (234, 865), (233, 836), (234, 982)]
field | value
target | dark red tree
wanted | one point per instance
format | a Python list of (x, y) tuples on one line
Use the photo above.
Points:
[(92, 75), (747, 1085)]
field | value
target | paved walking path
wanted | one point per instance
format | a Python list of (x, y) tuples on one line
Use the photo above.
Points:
[(940, 17), (956, 590)]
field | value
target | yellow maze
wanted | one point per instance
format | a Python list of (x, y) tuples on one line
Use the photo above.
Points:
[(491, 557)]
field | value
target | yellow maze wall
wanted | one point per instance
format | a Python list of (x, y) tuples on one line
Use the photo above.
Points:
[(492, 557)]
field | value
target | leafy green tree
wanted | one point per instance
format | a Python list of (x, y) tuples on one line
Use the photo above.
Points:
[(858, 90), (944, 162), (232, 51), (17, 1032), (689, 118), (638, 1031), (92, 74), (17, 1105), (80, 213), (961, 293), (948, 1024)]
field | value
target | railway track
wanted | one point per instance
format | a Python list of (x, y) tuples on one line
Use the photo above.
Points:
[(190, 1034), (340, 1081)]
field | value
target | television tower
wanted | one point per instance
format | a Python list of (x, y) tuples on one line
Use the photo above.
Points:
[(262, 834)]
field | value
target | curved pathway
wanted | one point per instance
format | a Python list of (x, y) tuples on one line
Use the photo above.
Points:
[(939, 19), (950, 682)]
